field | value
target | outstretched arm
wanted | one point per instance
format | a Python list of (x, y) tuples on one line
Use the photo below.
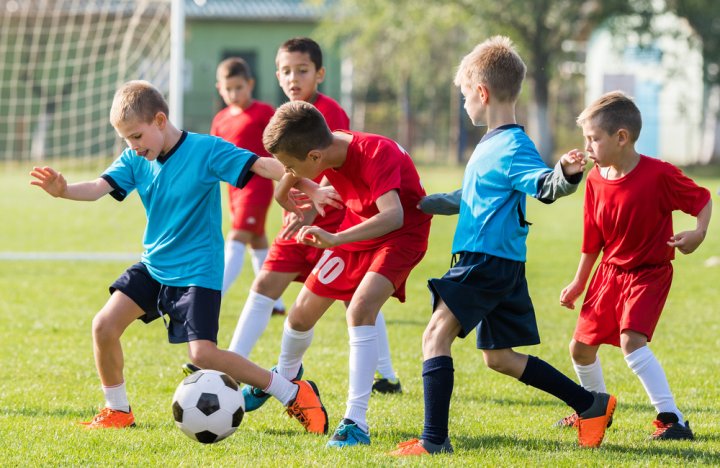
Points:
[(441, 203), (55, 184), (571, 292), (687, 241), (565, 177)]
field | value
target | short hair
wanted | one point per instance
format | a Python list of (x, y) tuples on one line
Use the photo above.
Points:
[(137, 100), (232, 67), (613, 111), (304, 45), (496, 64), (296, 129)]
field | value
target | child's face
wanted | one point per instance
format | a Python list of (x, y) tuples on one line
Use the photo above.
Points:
[(147, 139), (309, 167), (236, 91), (297, 75), (473, 104), (601, 147)]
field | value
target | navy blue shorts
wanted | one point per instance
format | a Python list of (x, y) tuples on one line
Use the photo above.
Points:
[(194, 312), (489, 294)]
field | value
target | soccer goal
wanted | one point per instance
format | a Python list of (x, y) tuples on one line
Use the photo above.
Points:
[(61, 63)]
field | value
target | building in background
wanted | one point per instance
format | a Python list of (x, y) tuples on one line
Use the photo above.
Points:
[(665, 80)]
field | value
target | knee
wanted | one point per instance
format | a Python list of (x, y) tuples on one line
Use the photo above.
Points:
[(434, 341), (103, 328), (495, 361), (581, 354), (203, 354)]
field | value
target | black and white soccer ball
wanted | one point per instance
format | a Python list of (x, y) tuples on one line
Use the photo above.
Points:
[(208, 406)]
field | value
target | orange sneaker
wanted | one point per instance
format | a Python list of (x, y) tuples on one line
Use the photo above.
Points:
[(415, 447), (109, 418), (593, 422), (307, 408)]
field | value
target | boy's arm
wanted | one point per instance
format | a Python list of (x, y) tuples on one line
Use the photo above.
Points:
[(55, 184), (441, 203), (564, 179), (687, 241), (270, 168), (389, 218), (571, 292)]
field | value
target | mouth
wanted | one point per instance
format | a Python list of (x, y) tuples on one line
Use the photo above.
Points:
[(142, 154)]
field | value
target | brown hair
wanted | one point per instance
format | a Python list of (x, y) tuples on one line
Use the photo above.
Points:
[(496, 64), (296, 129), (137, 100), (611, 112), (231, 67), (304, 45)]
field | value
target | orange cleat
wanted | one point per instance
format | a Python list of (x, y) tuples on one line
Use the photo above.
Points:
[(593, 422), (109, 418), (307, 408), (416, 447)]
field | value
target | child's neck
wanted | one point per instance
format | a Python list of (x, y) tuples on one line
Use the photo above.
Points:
[(623, 166), (337, 151), (172, 136), (499, 115)]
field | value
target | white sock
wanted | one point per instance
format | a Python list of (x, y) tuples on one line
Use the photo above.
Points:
[(363, 361), (293, 347), (257, 258), (646, 366), (116, 397), (252, 323), (234, 258), (281, 388), (384, 367), (591, 376)]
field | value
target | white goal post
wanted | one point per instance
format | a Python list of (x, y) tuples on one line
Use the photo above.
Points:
[(62, 61)]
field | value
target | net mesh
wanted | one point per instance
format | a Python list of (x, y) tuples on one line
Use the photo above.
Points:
[(62, 61)]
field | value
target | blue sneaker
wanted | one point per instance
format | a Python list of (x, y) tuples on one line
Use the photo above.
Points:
[(255, 397), (348, 434)]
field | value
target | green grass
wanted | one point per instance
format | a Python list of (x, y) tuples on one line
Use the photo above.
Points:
[(49, 381)]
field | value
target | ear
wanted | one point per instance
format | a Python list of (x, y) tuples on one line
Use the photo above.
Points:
[(314, 155), (320, 75), (484, 93), (623, 137), (251, 84), (217, 86), (161, 120)]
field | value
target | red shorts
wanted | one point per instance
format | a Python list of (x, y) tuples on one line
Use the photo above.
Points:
[(339, 272), (249, 205), (619, 300), (285, 257)]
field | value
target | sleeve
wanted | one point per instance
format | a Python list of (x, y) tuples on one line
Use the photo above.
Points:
[(526, 170), (553, 185), (381, 172), (593, 241), (442, 203), (230, 163), (682, 193), (121, 176)]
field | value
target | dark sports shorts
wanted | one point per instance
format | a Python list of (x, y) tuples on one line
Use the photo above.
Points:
[(193, 311), (489, 294)]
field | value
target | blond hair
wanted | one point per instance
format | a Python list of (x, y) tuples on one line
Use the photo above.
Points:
[(496, 64), (296, 129), (137, 100), (611, 112)]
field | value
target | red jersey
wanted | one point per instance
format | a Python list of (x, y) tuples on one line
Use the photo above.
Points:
[(244, 129), (374, 166), (630, 219)]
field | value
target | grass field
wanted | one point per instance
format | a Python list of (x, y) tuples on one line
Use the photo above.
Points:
[(49, 380)]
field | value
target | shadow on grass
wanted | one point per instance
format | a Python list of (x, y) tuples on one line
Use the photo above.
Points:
[(45, 412)]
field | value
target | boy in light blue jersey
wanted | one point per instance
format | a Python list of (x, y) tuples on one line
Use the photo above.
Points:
[(176, 175), (486, 288)]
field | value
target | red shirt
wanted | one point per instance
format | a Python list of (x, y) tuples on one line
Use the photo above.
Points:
[(374, 166), (244, 129), (630, 219)]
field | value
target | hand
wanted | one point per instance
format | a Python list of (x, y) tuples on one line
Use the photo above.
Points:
[(317, 237), (293, 222), (326, 196), (49, 180), (573, 162), (569, 295), (687, 241)]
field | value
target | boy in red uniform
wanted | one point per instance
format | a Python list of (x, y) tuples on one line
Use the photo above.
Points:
[(242, 123), (629, 202), (383, 235), (299, 72)]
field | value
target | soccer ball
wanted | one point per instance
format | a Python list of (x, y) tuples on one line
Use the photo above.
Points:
[(208, 406)]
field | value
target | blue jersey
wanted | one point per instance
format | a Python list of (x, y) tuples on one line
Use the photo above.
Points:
[(180, 191), (504, 167)]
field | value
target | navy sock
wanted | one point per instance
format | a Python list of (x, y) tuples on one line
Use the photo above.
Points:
[(438, 378), (545, 377)]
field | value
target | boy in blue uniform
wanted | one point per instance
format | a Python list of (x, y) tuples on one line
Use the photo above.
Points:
[(486, 288), (176, 174)]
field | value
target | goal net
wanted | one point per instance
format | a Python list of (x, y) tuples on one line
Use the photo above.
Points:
[(62, 61)]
